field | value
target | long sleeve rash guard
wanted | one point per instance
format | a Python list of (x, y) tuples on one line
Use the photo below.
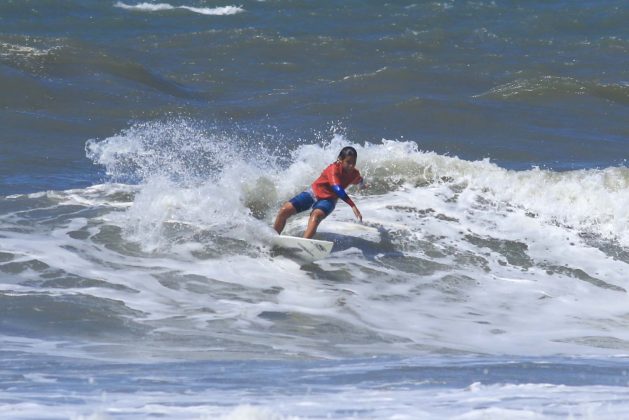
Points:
[(333, 181)]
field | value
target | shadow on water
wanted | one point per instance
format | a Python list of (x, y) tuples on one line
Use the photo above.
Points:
[(369, 249)]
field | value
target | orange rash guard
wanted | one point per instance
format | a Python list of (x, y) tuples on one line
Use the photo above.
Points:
[(332, 177)]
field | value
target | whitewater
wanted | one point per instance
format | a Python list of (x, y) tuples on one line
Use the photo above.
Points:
[(146, 147), (461, 263)]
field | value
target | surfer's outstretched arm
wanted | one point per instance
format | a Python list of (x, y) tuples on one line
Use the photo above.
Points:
[(338, 190)]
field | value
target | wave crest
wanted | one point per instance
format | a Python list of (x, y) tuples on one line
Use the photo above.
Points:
[(176, 160), (156, 7), (554, 85)]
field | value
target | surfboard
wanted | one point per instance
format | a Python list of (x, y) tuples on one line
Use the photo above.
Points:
[(302, 249)]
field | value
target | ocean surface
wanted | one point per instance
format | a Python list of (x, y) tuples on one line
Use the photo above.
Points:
[(145, 148)]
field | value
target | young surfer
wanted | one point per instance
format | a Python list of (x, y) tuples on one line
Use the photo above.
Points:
[(323, 193)]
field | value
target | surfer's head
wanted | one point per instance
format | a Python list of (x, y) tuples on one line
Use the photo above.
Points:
[(348, 157)]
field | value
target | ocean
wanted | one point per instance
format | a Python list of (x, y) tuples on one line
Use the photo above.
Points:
[(146, 148)]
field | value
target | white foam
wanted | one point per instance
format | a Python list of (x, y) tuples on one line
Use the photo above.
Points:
[(150, 7), (249, 412), (155, 7), (479, 200), (457, 255), (16, 50), (525, 401)]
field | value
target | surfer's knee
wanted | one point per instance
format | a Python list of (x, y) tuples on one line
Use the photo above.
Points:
[(318, 215), (287, 209)]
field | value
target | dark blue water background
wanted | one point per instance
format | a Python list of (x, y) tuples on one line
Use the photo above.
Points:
[(524, 84)]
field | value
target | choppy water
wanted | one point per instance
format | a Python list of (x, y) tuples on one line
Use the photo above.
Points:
[(147, 146)]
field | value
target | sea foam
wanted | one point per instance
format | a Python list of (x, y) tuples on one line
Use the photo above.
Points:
[(473, 257), (156, 7)]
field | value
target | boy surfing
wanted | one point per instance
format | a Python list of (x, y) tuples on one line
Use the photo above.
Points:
[(322, 195)]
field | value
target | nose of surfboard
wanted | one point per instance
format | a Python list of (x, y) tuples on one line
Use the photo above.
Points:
[(301, 249)]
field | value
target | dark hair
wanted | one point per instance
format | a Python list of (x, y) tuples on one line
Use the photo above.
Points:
[(347, 151)]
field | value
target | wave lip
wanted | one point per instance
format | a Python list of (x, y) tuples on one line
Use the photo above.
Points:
[(156, 7)]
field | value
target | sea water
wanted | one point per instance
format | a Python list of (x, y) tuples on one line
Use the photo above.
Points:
[(146, 147)]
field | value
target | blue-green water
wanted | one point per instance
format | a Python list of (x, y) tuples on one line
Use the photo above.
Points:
[(523, 84), (146, 146)]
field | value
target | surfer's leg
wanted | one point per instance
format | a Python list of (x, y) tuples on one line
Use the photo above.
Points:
[(286, 211), (320, 210), (300, 202), (316, 217)]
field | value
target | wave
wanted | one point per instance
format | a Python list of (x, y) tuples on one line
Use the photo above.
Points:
[(17, 50), (554, 85), (30, 54), (390, 388), (59, 58), (591, 201), (472, 257), (155, 7)]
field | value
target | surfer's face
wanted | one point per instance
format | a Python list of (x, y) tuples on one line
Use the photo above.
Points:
[(348, 163)]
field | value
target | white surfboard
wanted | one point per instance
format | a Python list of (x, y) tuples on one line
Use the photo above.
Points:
[(302, 249)]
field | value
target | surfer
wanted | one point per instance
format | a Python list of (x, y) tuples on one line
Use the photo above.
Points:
[(322, 195)]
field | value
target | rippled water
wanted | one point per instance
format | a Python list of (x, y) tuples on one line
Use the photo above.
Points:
[(146, 148)]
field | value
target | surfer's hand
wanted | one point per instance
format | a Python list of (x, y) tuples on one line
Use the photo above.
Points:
[(357, 213)]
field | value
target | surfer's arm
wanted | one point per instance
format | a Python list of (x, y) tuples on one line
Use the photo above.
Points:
[(334, 178), (340, 192), (335, 184)]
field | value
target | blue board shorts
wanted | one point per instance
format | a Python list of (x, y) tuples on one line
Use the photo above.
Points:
[(307, 200)]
